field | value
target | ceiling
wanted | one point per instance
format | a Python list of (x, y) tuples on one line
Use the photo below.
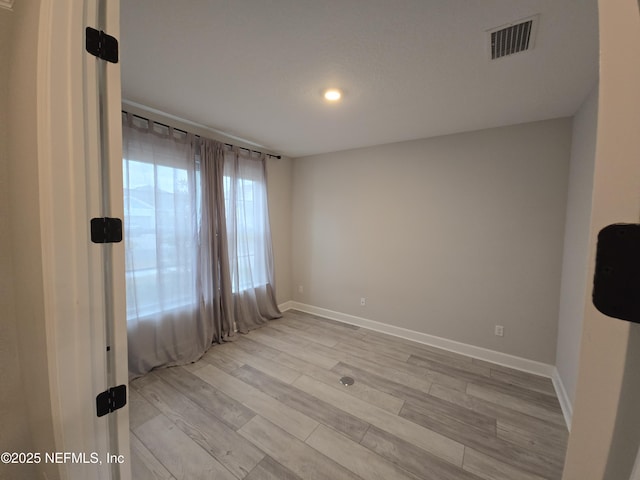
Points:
[(409, 69)]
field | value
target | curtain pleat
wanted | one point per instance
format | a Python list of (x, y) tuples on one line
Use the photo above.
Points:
[(216, 294)]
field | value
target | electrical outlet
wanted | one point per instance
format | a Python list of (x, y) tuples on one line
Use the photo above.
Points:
[(300, 289), (499, 331), (363, 301)]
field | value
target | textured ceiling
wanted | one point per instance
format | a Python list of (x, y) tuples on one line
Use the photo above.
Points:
[(408, 68)]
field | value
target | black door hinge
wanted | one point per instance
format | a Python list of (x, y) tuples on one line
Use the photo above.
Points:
[(111, 400), (106, 230), (616, 280), (101, 45)]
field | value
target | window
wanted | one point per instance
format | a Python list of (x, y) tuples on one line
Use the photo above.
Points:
[(161, 217), (159, 226), (245, 215), (181, 297)]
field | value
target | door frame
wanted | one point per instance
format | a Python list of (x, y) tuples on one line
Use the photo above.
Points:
[(68, 136)]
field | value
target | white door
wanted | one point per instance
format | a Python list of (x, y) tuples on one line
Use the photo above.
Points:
[(80, 178)]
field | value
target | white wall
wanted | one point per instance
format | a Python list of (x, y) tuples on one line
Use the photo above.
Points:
[(15, 435), (576, 243), (604, 434), (279, 193), (447, 236)]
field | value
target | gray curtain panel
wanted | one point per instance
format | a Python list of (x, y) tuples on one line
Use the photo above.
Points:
[(248, 233), (215, 286), (199, 260)]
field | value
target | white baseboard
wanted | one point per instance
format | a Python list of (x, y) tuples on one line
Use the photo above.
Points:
[(481, 353), (505, 359), (283, 307), (563, 397)]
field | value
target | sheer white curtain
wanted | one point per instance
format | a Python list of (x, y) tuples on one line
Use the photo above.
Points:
[(199, 260), (250, 251), (161, 241)]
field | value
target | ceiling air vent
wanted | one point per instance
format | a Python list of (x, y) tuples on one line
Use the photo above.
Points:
[(513, 38)]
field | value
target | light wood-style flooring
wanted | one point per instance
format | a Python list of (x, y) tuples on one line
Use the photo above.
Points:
[(269, 406)]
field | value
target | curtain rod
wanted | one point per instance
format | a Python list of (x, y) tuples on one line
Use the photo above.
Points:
[(198, 136)]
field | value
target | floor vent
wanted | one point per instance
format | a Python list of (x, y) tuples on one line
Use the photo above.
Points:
[(513, 38), (347, 381)]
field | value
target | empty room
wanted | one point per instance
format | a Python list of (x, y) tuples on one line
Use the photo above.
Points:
[(320, 239)]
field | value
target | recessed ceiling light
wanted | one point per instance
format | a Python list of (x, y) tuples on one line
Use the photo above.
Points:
[(333, 94)]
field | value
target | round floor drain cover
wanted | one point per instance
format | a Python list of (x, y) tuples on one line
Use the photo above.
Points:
[(346, 381)]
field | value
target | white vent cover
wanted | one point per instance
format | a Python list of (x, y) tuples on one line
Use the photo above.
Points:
[(512, 38)]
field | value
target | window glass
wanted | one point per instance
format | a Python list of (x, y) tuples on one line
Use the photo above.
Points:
[(160, 249)]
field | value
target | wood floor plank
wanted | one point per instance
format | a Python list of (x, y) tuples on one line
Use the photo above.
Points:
[(314, 407), (140, 410), (330, 378), (260, 350), (532, 378), (387, 376), (269, 469), (416, 348), (370, 353), (426, 439), (544, 400), (531, 382), (316, 325), (220, 360), (215, 403), (294, 320), (140, 381), (321, 338), (444, 357), (501, 382), (410, 375), (469, 371), (520, 458), (301, 459), (278, 340), (352, 345), (489, 468), (381, 383), (537, 397), (515, 403), (341, 331), (354, 457), (287, 418), (504, 415), (494, 382), (413, 459), (144, 466), (192, 367), (268, 366), (455, 416), (180, 455), (220, 441), (549, 446), (300, 350)]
